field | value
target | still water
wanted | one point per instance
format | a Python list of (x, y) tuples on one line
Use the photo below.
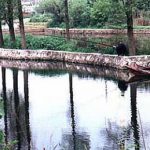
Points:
[(52, 110)]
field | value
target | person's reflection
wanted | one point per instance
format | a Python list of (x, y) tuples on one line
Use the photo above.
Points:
[(122, 85)]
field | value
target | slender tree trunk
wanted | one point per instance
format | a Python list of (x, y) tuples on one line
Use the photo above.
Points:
[(131, 40), (67, 19), (11, 22), (21, 24), (1, 35)]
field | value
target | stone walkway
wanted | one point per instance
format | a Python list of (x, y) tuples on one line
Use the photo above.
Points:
[(113, 61)]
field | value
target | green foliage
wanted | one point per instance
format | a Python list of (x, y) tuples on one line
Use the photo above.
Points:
[(142, 4), (117, 14), (1, 137), (9, 145), (53, 7), (92, 13), (2, 6), (79, 45), (50, 43), (141, 27), (41, 18), (79, 13), (143, 46), (9, 44), (100, 12)]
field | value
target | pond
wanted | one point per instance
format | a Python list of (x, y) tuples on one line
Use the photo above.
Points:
[(57, 109)]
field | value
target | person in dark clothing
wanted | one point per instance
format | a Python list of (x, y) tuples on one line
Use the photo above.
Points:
[(121, 49)]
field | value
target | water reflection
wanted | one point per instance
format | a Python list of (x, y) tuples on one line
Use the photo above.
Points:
[(3, 70), (134, 121), (122, 85), (73, 113), (74, 140), (26, 97)]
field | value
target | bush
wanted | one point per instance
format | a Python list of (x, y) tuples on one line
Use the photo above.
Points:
[(41, 18), (79, 13), (50, 43)]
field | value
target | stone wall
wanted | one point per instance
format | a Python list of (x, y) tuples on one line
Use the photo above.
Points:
[(79, 32), (85, 32), (113, 61)]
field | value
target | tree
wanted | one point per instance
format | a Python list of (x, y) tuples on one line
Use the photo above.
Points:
[(54, 7), (79, 13), (10, 21), (2, 6), (1, 35), (128, 5), (131, 40), (21, 24), (67, 18), (100, 12), (143, 5)]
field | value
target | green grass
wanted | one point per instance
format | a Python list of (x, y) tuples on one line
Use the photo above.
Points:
[(86, 45)]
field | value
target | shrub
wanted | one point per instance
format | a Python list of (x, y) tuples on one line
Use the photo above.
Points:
[(41, 18)]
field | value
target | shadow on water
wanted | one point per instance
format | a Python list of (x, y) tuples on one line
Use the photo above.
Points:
[(17, 118), (134, 121), (120, 137), (74, 140)]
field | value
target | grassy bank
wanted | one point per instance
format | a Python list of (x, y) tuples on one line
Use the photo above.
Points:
[(78, 45), (57, 43)]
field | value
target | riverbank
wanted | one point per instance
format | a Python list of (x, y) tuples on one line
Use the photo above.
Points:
[(103, 72), (96, 59)]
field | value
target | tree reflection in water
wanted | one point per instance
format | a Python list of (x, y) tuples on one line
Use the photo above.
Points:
[(4, 95), (74, 140), (16, 108), (16, 113), (134, 122), (119, 137)]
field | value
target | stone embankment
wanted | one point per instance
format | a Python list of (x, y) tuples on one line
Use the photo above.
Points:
[(95, 59), (115, 74), (79, 32)]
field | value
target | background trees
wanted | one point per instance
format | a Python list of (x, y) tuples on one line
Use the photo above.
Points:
[(79, 12), (10, 20), (93, 13)]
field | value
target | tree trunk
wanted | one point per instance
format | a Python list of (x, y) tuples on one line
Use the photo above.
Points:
[(67, 19), (131, 40), (11, 22), (21, 25), (1, 35)]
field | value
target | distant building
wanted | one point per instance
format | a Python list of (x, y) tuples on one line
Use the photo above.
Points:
[(34, 2), (28, 5)]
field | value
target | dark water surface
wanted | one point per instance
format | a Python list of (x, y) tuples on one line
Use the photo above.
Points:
[(52, 110)]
